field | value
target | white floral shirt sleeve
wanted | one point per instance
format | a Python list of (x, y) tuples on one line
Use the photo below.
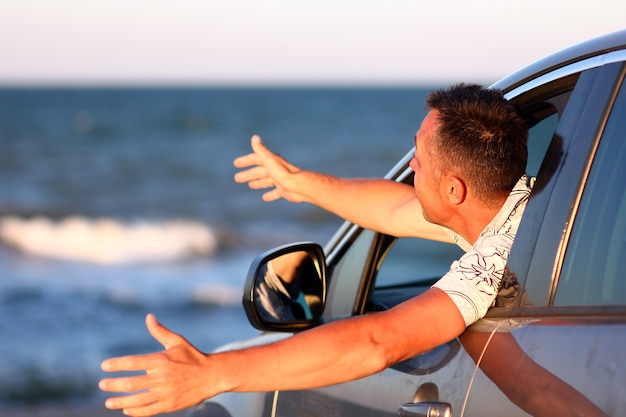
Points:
[(474, 280)]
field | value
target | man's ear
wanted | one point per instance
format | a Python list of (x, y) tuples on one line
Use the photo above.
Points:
[(456, 189)]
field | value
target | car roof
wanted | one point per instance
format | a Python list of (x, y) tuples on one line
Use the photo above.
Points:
[(595, 47)]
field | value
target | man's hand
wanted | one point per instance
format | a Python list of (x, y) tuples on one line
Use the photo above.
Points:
[(267, 170), (174, 380)]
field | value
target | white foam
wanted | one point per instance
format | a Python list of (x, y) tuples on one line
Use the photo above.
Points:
[(220, 294), (107, 241)]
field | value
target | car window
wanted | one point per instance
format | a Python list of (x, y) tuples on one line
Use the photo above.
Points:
[(592, 272), (539, 137), (416, 261)]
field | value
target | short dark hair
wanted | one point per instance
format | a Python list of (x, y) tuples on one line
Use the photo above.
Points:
[(481, 136)]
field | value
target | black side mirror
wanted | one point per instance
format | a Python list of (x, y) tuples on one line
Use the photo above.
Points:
[(285, 289)]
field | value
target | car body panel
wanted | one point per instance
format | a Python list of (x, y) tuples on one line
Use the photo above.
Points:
[(383, 393), (580, 372)]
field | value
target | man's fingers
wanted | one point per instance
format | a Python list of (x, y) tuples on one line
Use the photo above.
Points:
[(259, 151), (261, 184), (148, 410), (265, 170), (127, 384), (246, 161), (251, 175), (161, 333), (144, 362), (140, 399), (258, 147), (127, 363), (272, 195)]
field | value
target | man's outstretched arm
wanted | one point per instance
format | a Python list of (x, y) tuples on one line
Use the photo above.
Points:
[(377, 204), (181, 376)]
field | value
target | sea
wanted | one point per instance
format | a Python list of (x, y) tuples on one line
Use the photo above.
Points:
[(118, 202)]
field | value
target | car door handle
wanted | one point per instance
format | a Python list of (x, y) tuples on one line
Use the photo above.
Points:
[(425, 409)]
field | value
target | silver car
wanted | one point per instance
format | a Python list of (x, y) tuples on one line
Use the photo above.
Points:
[(554, 344)]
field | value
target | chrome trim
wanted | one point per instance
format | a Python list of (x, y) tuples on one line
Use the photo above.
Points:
[(586, 64), (345, 231), (397, 173)]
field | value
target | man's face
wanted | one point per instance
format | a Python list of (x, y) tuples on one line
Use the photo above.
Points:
[(427, 182)]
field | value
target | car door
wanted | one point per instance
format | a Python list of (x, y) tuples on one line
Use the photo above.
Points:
[(384, 393), (559, 350)]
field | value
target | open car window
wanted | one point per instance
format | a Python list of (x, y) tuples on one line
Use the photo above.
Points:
[(418, 263)]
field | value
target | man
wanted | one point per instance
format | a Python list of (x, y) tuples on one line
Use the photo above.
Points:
[(469, 187)]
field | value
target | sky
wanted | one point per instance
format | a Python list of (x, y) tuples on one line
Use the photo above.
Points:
[(288, 42)]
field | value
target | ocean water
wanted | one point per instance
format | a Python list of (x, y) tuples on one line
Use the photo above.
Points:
[(119, 202)]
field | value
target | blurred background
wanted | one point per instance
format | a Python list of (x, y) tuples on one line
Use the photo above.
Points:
[(119, 122)]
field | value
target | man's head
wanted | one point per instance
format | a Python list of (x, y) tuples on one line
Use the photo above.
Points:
[(479, 137)]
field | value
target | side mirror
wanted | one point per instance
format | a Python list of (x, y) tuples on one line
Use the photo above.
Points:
[(285, 289)]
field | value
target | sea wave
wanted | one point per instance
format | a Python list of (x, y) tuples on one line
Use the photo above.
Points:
[(106, 240), (198, 295)]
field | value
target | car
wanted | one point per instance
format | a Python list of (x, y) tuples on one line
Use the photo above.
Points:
[(555, 339)]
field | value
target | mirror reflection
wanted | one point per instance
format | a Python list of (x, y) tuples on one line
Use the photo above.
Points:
[(288, 288)]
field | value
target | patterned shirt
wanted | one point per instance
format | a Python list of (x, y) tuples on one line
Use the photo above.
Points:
[(474, 280)]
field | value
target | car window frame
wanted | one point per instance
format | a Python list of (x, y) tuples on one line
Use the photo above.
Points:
[(539, 235), (536, 105)]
